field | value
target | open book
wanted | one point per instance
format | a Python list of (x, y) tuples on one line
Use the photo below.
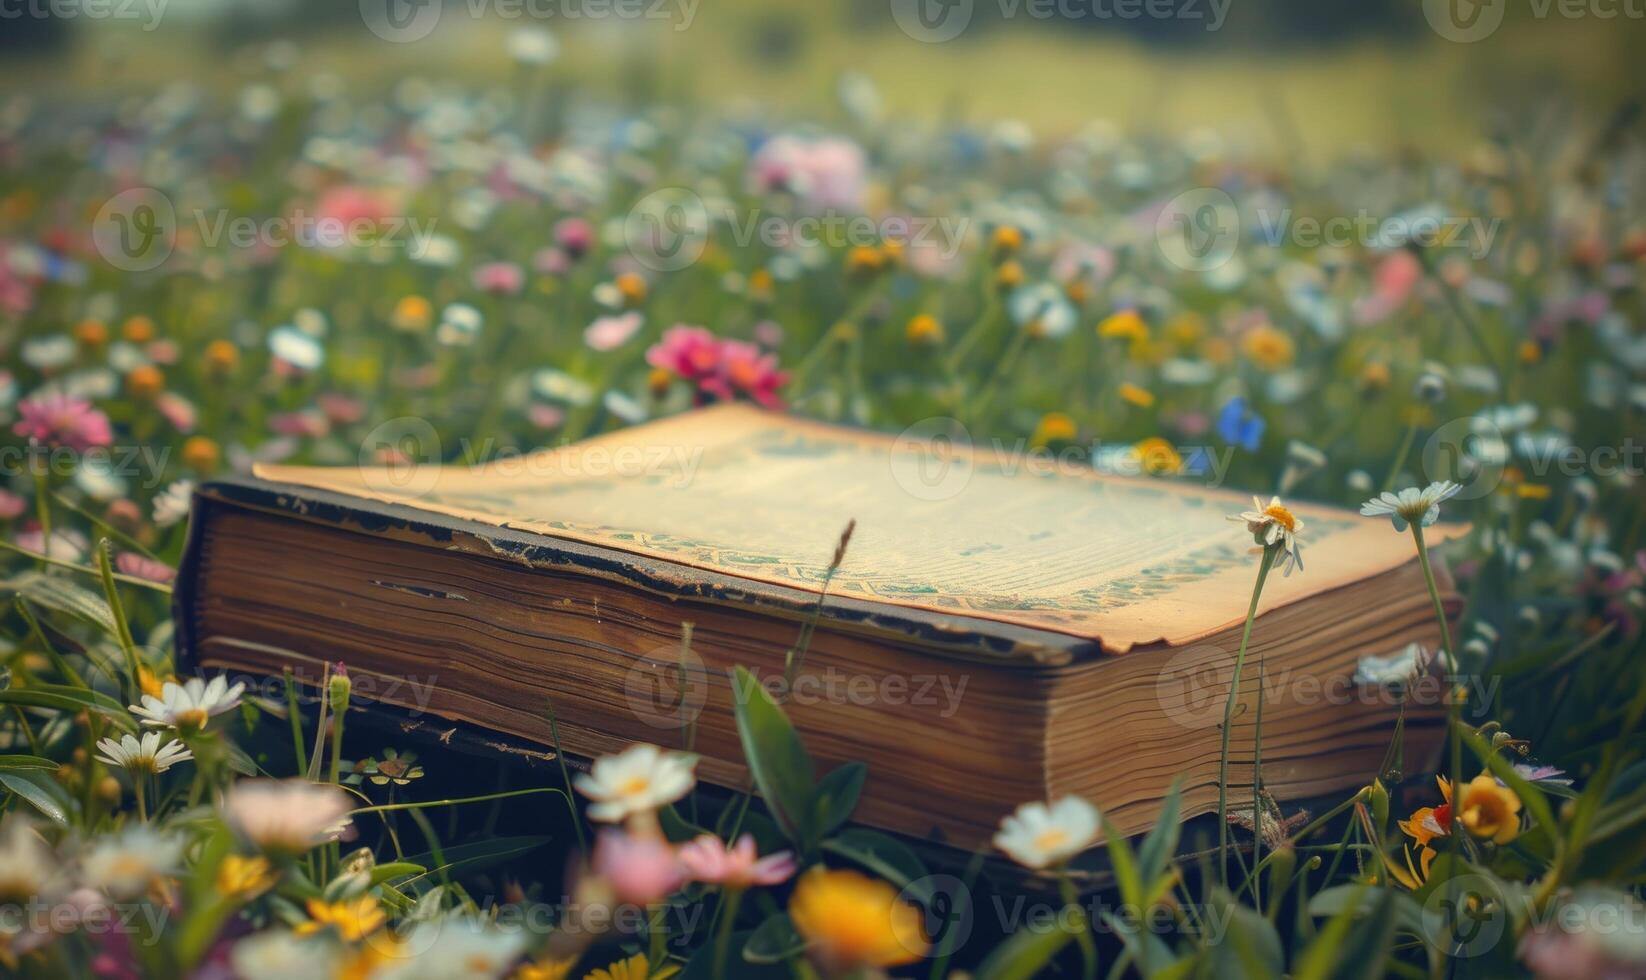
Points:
[(1000, 629)]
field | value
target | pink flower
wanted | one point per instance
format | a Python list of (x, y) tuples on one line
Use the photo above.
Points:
[(11, 505), (499, 278), (575, 235), (708, 859), (179, 411), (305, 423), (66, 545), (1392, 285), (745, 367), (350, 203), (692, 353), (546, 416), (551, 261), (824, 174), (58, 420), (138, 566), (341, 409), (611, 332), (640, 870)]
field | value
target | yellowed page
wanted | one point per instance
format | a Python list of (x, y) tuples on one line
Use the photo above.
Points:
[(1008, 536)]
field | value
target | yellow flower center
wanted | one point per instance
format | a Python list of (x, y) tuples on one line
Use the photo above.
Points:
[(193, 718), (634, 786), (1281, 516), (1050, 839)]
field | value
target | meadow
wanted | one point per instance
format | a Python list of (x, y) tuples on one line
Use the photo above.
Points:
[(302, 264)]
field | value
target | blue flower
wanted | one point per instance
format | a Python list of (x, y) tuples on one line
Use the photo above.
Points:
[(1238, 425)]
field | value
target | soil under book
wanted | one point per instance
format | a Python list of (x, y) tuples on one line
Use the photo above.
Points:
[(1001, 628)]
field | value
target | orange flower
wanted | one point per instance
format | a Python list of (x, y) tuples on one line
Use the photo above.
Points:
[(852, 921), (1268, 348)]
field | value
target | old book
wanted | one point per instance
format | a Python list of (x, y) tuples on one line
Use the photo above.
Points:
[(1003, 627)]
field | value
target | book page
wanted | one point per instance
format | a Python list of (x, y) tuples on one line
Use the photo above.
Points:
[(1016, 537)]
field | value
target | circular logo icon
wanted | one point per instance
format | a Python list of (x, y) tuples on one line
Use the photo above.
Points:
[(1465, 916), (400, 21), (1464, 21), (667, 229), (401, 456), (932, 459), (933, 21), (1193, 686), (1199, 229), (947, 903), (666, 687), (136, 229), (1471, 452)]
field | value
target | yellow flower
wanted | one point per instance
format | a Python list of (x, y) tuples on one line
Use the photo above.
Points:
[(152, 684), (1488, 810), (1125, 325), (1186, 328), (244, 877), (546, 970), (854, 921), (1374, 376), (864, 260), (1053, 427), (1006, 240), (1411, 876), (1009, 275), (353, 919), (1158, 456), (412, 314), (631, 287), (1530, 352), (760, 285), (636, 967), (221, 356), (201, 454), (924, 330), (1141, 397), (1268, 348), (145, 381)]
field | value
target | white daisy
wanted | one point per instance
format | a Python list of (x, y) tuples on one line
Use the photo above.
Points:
[(457, 948), (144, 756), (1275, 524), (280, 955), (171, 505), (288, 816), (126, 864), (1395, 670), (1411, 505), (1037, 835), (638, 780), (27, 866), (188, 706)]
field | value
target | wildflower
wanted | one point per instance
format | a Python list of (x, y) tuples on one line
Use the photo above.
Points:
[(1430, 387), (354, 919), (1053, 428), (221, 356), (145, 382), (1037, 836), (1409, 875), (56, 419), (285, 816), (412, 314), (640, 869), (455, 948), (828, 174), (924, 330), (240, 877), (1134, 395), (201, 454), (574, 235), (1411, 505), (1374, 377), (91, 333), (1043, 310), (532, 46), (1125, 325), (852, 921), (1489, 810), (611, 332), (1157, 455), (125, 864), (460, 324), (296, 350), (27, 866), (137, 329), (1006, 240), (188, 706), (1008, 275), (691, 353), (864, 260), (11, 505), (171, 505), (1239, 424), (636, 781), (560, 969), (499, 278), (1268, 347), (1396, 669), (631, 287), (1275, 525), (65, 545), (142, 757), (636, 967), (282, 955), (708, 859)]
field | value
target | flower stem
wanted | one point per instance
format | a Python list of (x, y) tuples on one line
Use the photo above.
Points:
[(1454, 711), (1083, 938), (42, 509), (137, 780), (122, 629), (723, 935), (1268, 561)]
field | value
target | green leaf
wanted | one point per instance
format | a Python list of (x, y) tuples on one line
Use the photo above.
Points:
[(778, 761), (478, 854), (886, 856), (1530, 795), (1157, 849), (1251, 947), (774, 941), (70, 699), (60, 594), (1124, 864), (14, 762), (1025, 955), (701, 964), (395, 869), (837, 795), (677, 828), (42, 791)]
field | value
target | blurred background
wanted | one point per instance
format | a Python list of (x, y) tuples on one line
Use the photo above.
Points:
[(1299, 77)]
